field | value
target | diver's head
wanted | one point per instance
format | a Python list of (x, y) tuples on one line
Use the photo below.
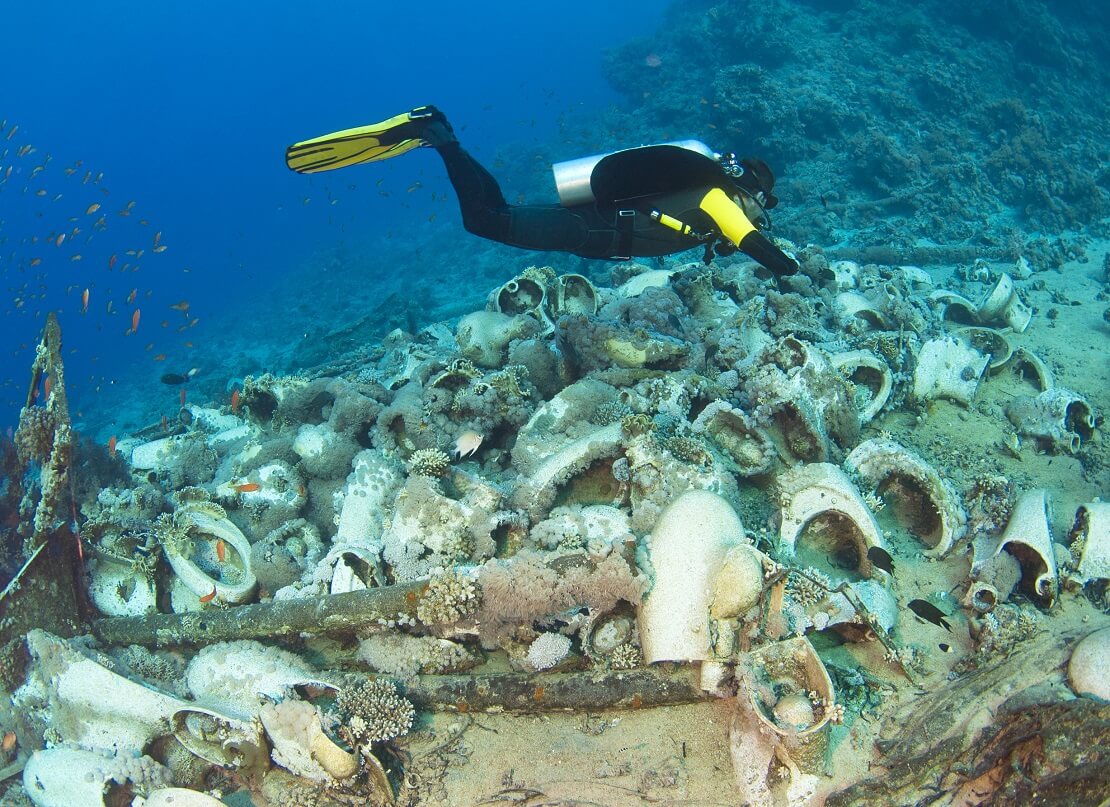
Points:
[(755, 182)]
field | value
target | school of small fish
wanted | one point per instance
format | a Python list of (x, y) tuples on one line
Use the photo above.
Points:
[(80, 230), (54, 229)]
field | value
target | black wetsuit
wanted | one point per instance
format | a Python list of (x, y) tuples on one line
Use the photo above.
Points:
[(620, 229)]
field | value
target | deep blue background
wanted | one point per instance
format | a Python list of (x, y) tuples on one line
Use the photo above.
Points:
[(187, 108)]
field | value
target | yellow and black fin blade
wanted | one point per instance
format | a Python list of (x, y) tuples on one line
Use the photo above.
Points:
[(363, 144)]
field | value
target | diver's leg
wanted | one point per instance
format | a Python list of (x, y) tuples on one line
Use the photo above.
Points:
[(485, 211), (480, 198)]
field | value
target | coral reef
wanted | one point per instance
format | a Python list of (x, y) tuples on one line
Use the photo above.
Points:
[(547, 650), (373, 711), (451, 596), (526, 588)]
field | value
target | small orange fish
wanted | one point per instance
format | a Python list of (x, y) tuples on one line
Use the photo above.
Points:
[(92, 208), (36, 261), (247, 487), (165, 423), (235, 401), (157, 237), (221, 550), (182, 396), (8, 743), (111, 262), (161, 248), (135, 321), (182, 306), (131, 297), (46, 385), (160, 357), (209, 597), (112, 446), (85, 301), (58, 241)]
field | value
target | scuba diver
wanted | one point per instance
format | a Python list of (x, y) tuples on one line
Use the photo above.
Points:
[(644, 202)]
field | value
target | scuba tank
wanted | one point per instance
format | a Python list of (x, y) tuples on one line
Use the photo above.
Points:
[(573, 177)]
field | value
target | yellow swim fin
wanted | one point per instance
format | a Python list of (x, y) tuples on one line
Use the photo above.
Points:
[(363, 144)]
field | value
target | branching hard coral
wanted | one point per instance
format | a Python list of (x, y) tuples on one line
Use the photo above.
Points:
[(809, 589), (451, 596), (1004, 628), (432, 462), (625, 657), (373, 711)]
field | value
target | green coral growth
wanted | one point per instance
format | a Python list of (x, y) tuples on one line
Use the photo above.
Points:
[(508, 381), (636, 425), (688, 449)]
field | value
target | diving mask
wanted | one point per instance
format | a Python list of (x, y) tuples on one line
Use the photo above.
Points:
[(754, 180)]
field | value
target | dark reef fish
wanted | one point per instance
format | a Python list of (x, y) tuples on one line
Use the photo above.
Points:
[(926, 610), (173, 379), (881, 558)]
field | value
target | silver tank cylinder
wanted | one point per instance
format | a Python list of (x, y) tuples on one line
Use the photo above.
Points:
[(572, 177)]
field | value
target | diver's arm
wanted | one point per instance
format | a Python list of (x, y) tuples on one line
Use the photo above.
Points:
[(736, 227)]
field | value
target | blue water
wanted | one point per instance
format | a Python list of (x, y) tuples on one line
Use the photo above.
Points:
[(187, 109)]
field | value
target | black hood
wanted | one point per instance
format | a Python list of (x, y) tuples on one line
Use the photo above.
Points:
[(757, 177)]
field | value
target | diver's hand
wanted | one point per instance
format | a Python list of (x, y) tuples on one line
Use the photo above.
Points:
[(725, 248)]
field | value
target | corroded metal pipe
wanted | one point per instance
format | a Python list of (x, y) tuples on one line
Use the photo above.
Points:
[(590, 690), (348, 612)]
